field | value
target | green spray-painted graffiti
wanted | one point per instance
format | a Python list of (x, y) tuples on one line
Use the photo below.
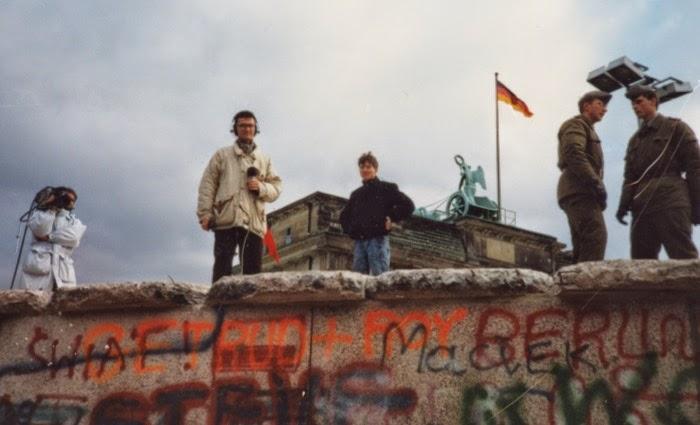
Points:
[(618, 411), (671, 413), (507, 403), (481, 405)]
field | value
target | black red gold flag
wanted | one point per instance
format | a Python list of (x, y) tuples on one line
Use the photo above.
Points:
[(505, 95)]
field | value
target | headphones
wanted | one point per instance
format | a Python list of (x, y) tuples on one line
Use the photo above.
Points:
[(243, 114)]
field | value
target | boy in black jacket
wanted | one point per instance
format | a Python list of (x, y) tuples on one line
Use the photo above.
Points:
[(368, 217)]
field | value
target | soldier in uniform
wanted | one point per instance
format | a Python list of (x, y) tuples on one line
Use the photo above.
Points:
[(664, 204), (581, 192)]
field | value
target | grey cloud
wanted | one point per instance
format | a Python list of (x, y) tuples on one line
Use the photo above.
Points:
[(127, 102)]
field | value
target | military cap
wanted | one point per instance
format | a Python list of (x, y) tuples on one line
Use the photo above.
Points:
[(639, 90), (593, 95)]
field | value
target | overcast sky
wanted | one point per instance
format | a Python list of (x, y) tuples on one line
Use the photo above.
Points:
[(126, 101)]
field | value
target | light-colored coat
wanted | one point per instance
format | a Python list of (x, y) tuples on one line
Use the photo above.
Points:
[(223, 193), (51, 261)]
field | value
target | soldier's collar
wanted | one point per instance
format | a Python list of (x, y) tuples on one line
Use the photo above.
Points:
[(654, 122), (583, 118)]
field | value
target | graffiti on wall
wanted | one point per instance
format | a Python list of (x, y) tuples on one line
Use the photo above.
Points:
[(341, 397), (276, 368)]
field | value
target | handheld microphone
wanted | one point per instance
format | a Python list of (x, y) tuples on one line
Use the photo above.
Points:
[(253, 172)]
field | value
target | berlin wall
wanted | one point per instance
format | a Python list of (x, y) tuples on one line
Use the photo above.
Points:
[(597, 343)]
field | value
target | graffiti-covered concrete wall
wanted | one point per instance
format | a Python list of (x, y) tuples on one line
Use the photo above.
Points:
[(600, 343)]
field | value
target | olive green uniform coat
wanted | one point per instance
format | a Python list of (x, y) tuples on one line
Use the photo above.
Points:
[(581, 165), (664, 204)]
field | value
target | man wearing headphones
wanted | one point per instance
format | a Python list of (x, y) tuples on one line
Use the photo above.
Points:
[(235, 186), (664, 203)]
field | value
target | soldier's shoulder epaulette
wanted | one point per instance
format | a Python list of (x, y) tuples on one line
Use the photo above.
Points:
[(574, 121), (675, 122)]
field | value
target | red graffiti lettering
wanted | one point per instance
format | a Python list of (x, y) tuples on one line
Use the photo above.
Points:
[(622, 337), (331, 338), (682, 338), (94, 337), (497, 328), (389, 325), (244, 351), (548, 318), (583, 333), (141, 333), (192, 344)]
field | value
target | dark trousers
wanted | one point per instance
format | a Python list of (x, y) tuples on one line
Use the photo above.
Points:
[(588, 233), (225, 243), (671, 228)]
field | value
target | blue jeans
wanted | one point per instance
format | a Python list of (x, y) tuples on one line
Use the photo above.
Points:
[(372, 256)]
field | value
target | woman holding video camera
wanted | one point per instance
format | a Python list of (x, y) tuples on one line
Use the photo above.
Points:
[(57, 232)]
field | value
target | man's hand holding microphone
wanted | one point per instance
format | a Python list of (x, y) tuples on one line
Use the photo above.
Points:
[(253, 183)]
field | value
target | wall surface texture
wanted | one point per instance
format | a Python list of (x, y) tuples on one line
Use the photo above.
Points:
[(597, 343)]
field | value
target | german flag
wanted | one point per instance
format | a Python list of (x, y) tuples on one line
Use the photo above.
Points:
[(504, 94)]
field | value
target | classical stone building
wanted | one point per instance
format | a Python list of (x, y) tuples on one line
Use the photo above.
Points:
[(309, 237)]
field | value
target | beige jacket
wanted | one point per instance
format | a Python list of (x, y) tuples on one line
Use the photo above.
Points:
[(224, 197)]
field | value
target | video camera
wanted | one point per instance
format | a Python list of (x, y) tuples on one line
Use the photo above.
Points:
[(55, 197)]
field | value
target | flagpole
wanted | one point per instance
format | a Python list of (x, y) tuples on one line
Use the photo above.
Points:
[(498, 155)]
